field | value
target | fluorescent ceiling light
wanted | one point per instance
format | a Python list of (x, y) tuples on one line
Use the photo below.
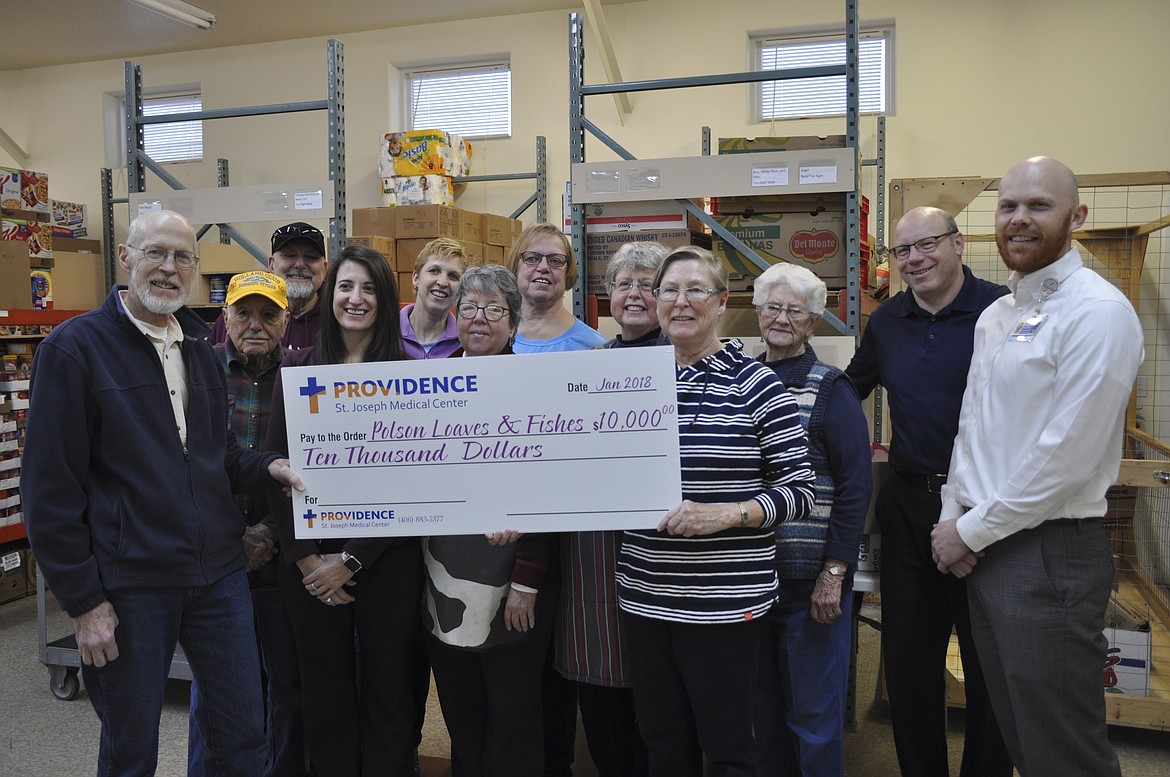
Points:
[(180, 12)]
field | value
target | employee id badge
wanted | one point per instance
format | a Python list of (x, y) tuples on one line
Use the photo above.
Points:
[(1025, 330)]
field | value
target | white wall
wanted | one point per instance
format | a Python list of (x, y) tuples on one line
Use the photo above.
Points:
[(979, 85)]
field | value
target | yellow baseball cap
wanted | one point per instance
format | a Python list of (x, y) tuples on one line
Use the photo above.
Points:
[(259, 282)]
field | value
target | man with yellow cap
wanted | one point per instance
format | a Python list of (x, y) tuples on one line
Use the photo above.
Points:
[(255, 317)]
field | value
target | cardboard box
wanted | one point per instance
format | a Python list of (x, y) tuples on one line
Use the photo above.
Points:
[(79, 281), (601, 246), (408, 249), (493, 254), (383, 245), (637, 216), (1127, 662), (14, 280), (68, 219), (77, 245), (373, 221), (803, 231), (423, 190), (405, 287), (226, 259), (496, 230), (796, 143), (25, 190), (13, 583), (471, 224), (429, 221), (474, 252)]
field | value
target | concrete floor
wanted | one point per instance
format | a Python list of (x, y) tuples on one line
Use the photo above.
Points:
[(41, 736)]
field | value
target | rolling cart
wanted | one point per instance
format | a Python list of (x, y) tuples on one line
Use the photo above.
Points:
[(63, 660)]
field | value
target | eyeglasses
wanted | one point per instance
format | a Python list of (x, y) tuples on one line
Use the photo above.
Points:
[(183, 259), (794, 315), (625, 287), (555, 261), (924, 246), (492, 312), (693, 294)]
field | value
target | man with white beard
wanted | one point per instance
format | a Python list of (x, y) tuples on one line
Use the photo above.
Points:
[(298, 256), (127, 480)]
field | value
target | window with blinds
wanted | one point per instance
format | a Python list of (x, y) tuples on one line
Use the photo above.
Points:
[(471, 101), (177, 141), (807, 97)]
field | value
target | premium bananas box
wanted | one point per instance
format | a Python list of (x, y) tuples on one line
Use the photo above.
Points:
[(809, 232)]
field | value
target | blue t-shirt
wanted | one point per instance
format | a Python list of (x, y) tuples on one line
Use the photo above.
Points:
[(579, 337)]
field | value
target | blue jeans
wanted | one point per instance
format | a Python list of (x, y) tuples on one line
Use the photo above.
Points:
[(799, 699), (214, 625), (281, 694)]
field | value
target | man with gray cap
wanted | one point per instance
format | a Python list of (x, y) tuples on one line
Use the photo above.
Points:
[(298, 256)]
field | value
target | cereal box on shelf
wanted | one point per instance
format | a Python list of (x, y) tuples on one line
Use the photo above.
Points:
[(37, 234), (42, 289), (68, 219), (24, 190)]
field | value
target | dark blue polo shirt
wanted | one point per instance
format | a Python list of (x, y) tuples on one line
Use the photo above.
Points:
[(921, 359)]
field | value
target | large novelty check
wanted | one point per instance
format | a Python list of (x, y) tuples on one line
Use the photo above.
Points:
[(586, 440)]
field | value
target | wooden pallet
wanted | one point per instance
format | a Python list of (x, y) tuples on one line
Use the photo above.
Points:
[(1151, 711)]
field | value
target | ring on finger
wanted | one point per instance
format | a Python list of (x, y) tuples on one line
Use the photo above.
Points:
[(313, 586), (329, 600)]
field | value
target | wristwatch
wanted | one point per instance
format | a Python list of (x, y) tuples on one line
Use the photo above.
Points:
[(836, 570), (351, 562)]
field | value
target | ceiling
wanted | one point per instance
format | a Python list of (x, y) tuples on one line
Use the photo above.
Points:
[(38, 33)]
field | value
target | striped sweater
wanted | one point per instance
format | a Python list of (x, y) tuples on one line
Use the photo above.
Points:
[(740, 438)]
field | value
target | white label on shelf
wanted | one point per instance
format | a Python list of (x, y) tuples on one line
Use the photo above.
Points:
[(10, 561), (308, 200), (770, 176), (149, 207), (818, 174)]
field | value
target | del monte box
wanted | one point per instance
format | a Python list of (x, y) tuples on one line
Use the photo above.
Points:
[(809, 232)]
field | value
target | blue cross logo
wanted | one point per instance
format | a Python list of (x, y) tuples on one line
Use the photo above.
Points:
[(313, 390), (309, 516)]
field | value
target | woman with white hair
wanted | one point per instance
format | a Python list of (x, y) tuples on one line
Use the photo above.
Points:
[(804, 656)]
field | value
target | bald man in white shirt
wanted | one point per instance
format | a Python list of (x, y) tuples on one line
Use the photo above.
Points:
[(1039, 442)]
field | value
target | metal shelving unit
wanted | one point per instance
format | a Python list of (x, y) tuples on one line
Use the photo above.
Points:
[(538, 197), (138, 162), (578, 124)]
